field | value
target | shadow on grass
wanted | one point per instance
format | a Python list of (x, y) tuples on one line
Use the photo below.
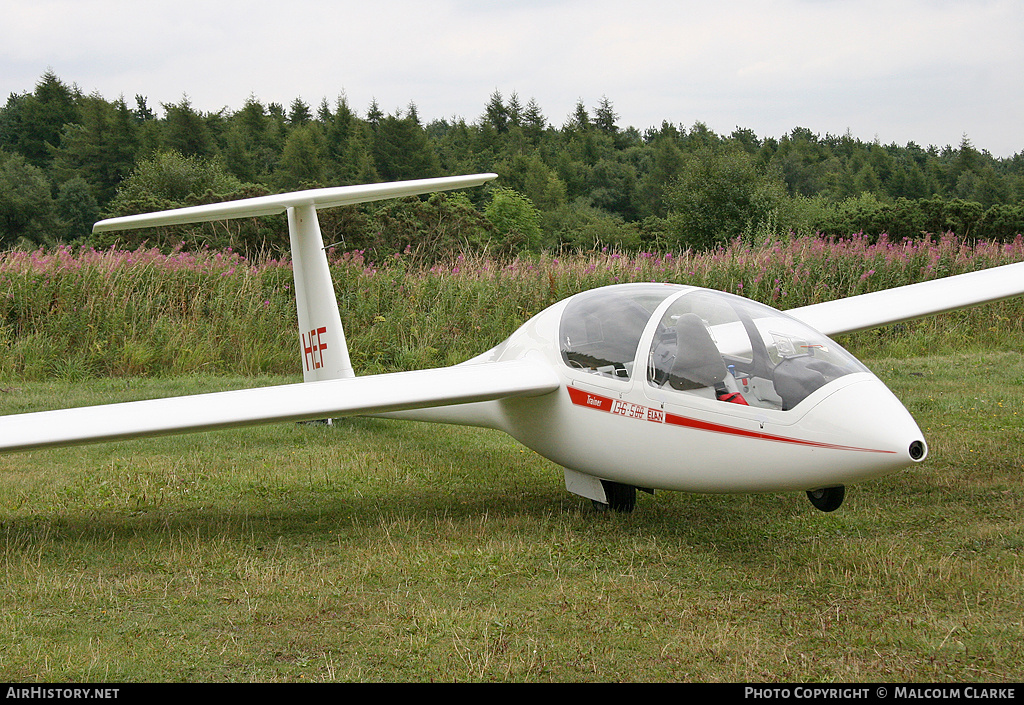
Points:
[(729, 524), (444, 483)]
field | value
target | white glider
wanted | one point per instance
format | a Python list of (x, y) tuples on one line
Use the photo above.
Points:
[(634, 386)]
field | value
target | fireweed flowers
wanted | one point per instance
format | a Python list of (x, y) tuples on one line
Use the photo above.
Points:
[(87, 312)]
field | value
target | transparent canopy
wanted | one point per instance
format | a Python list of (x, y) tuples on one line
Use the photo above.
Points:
[(706, 343), (600, 329)]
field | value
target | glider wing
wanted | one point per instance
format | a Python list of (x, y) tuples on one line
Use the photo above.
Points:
[(291, 402), (279, 203), (905, 303)]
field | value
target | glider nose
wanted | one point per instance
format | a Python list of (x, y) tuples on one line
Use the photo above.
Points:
[(866, 417)]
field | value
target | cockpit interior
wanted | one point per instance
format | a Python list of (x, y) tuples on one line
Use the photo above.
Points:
[(705, 343)]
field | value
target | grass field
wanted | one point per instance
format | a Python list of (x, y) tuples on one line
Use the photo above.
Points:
[(389, 551)]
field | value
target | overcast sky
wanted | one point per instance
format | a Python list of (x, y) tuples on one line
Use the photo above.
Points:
[(928, 71)]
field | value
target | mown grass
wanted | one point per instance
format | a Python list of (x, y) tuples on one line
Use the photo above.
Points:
[(389, 551)]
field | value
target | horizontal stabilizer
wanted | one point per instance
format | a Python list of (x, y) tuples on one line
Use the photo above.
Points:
[(291, 402), (278, 203), (905, 303)]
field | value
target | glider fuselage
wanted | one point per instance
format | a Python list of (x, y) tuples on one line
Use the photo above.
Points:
[(636, 406)]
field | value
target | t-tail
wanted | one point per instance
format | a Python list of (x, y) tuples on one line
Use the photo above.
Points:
[(321, 336)]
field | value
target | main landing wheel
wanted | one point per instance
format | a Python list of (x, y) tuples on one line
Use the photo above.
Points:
[(827, 499), (621, 498)]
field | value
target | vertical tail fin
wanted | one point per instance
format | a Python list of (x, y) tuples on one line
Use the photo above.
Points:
[(321, 338)]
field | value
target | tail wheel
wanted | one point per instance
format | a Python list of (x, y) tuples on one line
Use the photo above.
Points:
[(621, 498), (827, 499)]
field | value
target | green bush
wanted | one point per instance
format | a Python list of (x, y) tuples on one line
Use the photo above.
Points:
[(169, 180), (515, 219), (719, 195)]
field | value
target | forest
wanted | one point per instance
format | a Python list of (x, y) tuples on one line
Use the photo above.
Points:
[(68, 159)]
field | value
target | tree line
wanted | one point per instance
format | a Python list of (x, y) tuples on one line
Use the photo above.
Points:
[(67, 158)]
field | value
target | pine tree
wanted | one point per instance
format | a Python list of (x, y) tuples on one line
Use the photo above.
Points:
[(298, 113), (101, 150), (514, 110), (142, 113), (496, 114), (534, 122), (579, 121), (374, 114), (401, 150), (302, 161), (33, 123), (605, 116), (186, 131)]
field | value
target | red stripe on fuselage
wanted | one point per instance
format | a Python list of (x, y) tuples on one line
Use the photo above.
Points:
[(629, 410)]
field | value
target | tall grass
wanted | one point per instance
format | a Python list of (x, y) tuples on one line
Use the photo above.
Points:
[(80, 313)]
